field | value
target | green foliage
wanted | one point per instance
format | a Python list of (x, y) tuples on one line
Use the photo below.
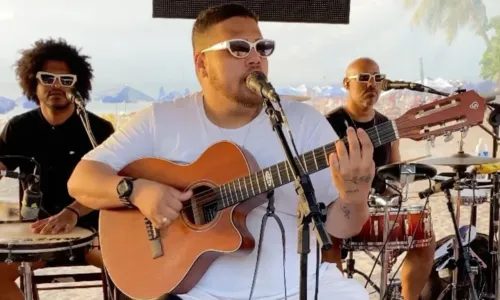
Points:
[(490, 64), (450, 16)]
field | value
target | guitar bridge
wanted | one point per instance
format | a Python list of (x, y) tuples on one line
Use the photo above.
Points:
[(154, 239)]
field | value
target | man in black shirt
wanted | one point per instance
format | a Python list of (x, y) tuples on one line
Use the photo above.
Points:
[(363, 81), (54, 136)]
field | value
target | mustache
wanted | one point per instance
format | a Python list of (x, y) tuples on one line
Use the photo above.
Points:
[(55, 92)]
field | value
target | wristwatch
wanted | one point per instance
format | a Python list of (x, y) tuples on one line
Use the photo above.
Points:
[(124, 190)]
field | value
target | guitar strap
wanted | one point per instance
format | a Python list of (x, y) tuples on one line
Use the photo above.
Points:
[(269, 213)]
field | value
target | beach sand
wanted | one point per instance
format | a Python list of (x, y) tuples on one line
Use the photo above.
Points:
[(441, 220)]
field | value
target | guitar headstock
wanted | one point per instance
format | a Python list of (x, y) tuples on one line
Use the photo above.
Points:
[(442, 117)]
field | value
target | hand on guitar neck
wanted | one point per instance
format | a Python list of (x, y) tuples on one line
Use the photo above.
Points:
[(160, 203)]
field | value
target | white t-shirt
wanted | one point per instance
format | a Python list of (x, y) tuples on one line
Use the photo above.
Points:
[(180, 131)]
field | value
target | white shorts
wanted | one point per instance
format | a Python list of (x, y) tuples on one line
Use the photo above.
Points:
[(332, 286)]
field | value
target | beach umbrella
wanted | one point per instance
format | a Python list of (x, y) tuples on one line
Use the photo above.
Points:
[(6, 105)]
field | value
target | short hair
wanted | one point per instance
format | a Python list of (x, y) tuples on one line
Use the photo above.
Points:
[(32, 61), (216, 14)]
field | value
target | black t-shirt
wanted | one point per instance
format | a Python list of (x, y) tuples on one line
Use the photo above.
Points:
[(340, 120), (57, 149)]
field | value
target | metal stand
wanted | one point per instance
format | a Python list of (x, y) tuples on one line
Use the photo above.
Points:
[(461, 255), (308, 208), (27, 275)]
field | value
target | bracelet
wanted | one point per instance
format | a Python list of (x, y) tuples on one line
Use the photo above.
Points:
[(74, 211)]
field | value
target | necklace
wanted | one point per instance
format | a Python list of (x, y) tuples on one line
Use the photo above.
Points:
[(354, 123)]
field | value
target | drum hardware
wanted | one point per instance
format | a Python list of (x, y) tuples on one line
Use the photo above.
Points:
[(19, 244), (461, 255)]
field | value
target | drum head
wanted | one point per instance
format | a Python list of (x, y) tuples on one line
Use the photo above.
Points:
[(16, 237), (435, 285)]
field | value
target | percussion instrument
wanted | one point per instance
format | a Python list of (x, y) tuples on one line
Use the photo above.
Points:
[(471, 193), (411, 228), (460, 159), (438, 281), (19, 244)]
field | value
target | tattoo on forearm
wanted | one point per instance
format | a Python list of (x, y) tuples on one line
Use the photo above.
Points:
[(360, 179), (346, 211)]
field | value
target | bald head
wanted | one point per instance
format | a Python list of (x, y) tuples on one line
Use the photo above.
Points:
[(362, 65)]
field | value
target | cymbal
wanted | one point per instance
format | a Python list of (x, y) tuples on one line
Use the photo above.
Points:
[(296, 97), (460, 159)]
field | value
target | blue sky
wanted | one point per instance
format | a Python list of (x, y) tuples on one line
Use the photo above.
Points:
[(128, 46)]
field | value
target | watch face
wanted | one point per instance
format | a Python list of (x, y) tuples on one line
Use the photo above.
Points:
[(122, 188)]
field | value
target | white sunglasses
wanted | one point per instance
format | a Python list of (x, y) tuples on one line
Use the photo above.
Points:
[(240, 48), (46, 78), (366, 77)]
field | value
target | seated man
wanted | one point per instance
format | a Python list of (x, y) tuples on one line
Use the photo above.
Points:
[(55, 137), (228, 45), (362, 81)]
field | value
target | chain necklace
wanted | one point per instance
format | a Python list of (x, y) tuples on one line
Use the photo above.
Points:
[(354, 123)]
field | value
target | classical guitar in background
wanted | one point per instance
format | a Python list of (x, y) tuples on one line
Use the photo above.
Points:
[(146, 264)]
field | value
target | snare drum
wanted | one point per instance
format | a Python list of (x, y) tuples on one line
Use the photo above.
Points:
[(411, 228), (19, 244)]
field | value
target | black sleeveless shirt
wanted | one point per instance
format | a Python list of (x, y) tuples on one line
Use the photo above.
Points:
[(340, 120)]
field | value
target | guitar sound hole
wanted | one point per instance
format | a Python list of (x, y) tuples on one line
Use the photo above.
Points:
[(204, 206)]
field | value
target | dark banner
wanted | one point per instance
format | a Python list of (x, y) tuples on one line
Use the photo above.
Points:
[(296, 11)]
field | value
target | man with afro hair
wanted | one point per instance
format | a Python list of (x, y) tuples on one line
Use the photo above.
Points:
[(54, 136)]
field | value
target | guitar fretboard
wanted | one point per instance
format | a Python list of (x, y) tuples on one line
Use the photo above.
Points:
[(280, 174)]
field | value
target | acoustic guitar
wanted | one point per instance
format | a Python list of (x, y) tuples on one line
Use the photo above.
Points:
[(145, 263)]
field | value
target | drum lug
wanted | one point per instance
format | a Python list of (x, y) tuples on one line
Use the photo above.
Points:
[(9, 259), (71, 256)]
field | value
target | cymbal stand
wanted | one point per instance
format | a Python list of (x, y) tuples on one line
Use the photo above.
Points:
[(462, 259), (493, 286)]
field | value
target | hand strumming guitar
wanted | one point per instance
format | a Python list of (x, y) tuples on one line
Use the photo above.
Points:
[(353, 171), (160, 203)]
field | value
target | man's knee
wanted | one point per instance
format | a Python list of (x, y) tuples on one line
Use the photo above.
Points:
[(10, 272)]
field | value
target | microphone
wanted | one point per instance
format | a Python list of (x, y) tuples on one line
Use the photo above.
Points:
[(399, 85), (75, 97), (438, 187), (32, 199), (257, 83), (13, 174)]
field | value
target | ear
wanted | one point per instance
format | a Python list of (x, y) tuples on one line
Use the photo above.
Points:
[(199, 63), (345, 82)]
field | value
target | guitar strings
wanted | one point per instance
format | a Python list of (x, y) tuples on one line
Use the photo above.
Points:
[(383, 134), (207, 197)]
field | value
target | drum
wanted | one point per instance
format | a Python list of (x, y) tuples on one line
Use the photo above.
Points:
[(411, 228), (19, 244), (435, 285), (480, 194)]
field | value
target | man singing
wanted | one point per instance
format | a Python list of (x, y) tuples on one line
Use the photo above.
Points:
[(362, 80), (228, 46), (54, 135)]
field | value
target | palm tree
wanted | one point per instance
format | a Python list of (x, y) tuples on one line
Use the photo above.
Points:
[(451, 15), (490, 64)]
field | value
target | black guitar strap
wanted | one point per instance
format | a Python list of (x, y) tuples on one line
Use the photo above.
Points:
[(269, 213)]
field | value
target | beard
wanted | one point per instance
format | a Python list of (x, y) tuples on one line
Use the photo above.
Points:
[(57, 103), (241, 95)]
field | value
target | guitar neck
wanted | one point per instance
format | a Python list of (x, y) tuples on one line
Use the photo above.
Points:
[(280, 174)]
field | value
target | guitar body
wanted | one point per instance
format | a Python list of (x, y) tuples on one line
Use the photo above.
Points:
[(189, 248)]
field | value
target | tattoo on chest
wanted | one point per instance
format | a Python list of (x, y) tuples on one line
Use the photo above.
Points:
[(346, 211)]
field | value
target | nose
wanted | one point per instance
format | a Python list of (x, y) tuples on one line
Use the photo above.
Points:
[(253, 59), (371, 82)]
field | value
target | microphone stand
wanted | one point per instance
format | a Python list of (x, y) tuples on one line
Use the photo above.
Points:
[(308, 209), (493, 286), (82, 113)]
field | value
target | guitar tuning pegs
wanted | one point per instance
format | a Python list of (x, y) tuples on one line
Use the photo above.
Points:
[(448, 136), (431, 141), (464, 131)]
